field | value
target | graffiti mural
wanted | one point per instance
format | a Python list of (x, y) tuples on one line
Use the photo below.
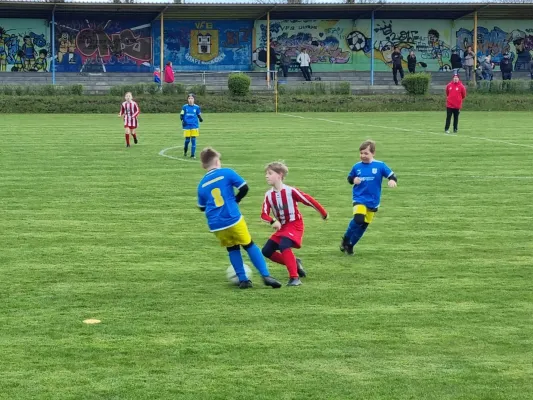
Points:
[(514, 37), (430, 40), (24, 45), (329, 43), (103, 46), (205, 45)]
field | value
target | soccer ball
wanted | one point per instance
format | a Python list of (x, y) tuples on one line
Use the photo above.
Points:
[(232, 276), (356, 41)]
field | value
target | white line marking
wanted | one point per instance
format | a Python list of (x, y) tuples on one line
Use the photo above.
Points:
[(414, 130), (346, 171)]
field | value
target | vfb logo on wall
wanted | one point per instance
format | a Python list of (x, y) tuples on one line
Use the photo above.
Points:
[(204, 44)]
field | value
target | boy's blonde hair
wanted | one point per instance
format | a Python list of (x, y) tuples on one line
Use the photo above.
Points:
[(278, 167), (208, 156), (129, 94), (368, 144)]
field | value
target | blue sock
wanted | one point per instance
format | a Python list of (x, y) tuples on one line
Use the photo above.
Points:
[(186, 147), (257, 259), (193, 146), (235, 258), (357, 233), (351, 229)]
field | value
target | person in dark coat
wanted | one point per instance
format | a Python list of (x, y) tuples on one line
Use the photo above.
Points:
[(411, 62)]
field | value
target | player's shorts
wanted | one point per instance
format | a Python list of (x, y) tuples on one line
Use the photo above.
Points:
[(191, 132), (292, 230), (236, 235), (131, 123), (367, 212)]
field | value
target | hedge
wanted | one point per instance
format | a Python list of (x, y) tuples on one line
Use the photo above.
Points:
[(262, 102)]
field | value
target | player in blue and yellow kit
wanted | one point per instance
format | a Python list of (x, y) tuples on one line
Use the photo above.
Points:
[(216, 197), (366, 177), (190, 116)]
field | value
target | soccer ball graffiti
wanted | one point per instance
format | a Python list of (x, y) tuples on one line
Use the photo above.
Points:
[(356, 41), (232, 276)]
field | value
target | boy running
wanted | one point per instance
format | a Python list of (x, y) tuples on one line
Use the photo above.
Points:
[(366, 177), (282, 200)]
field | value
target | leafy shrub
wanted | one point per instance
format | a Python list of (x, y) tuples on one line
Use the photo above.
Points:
[(340, 88), (153, 88), (417, 84), (198, 90), (239, 84), (173, 89)]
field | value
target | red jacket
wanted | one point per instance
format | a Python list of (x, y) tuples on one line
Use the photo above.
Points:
[(455, 94)]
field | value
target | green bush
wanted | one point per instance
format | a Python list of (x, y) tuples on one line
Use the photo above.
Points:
[(198, 90), (173, 89), (239, 84), (263, 102), (340, 88), (519, 86), (306, 88), (417, 84), (153, 88), (41, 90)]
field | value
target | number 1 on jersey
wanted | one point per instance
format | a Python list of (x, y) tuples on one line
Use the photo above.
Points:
[(217, 196)]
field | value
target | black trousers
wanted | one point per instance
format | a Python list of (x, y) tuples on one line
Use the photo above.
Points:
[(449, 113), (506, 76), (395, 70), (306, 74)]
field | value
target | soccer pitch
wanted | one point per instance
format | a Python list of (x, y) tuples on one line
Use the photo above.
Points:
[(436, 303)]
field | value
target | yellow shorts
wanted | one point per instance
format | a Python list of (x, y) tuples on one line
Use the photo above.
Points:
[(235, 235), (191, 132), (368, 213)]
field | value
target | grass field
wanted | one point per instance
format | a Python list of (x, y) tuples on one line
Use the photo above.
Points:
[(437, 303)]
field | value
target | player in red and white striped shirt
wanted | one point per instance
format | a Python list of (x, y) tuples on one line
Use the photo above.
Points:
[(282, 201), (130, 111)]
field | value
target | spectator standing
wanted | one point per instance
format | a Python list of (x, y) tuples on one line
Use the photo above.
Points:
[(397, 59), (455, 60), (455, 94), (304, 60), (169, 73), (487, 69), (469, 63), (411, 62), (506, 66), (286, 61), (273, 62)]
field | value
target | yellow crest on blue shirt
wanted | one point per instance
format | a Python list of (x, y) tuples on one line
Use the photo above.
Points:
[(204, 44), (374, 171)]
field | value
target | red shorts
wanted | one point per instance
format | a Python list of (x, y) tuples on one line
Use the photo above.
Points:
[(130, 123), (292, 230)]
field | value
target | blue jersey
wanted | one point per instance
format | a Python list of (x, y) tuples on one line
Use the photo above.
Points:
[(368, 192), (190, 116), (216, 194)]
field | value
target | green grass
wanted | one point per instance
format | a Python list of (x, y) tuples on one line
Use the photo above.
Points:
[(437, 304)]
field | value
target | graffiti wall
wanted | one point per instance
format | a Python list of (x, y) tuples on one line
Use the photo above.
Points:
[(337, 45), (24, 45), (332, 45), (103, 46), (496, 38), (205, 45)]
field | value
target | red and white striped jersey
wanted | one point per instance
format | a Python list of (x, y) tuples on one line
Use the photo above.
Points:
[(284, 205), (130, 111)]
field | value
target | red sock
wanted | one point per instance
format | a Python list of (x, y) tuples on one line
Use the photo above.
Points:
[(127, 138), (134, 136), (277, 258), (290, 262)]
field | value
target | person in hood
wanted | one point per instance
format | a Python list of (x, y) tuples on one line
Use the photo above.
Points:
[(169, 73), (506, 66), (456, 62), (455, 94)]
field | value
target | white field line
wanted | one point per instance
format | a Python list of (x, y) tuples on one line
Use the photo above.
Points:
[(163, 153)]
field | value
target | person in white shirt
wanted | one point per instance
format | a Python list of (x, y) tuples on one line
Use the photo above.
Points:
[(304, 60)]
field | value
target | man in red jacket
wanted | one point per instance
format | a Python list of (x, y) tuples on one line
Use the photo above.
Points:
[(455, 94)]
